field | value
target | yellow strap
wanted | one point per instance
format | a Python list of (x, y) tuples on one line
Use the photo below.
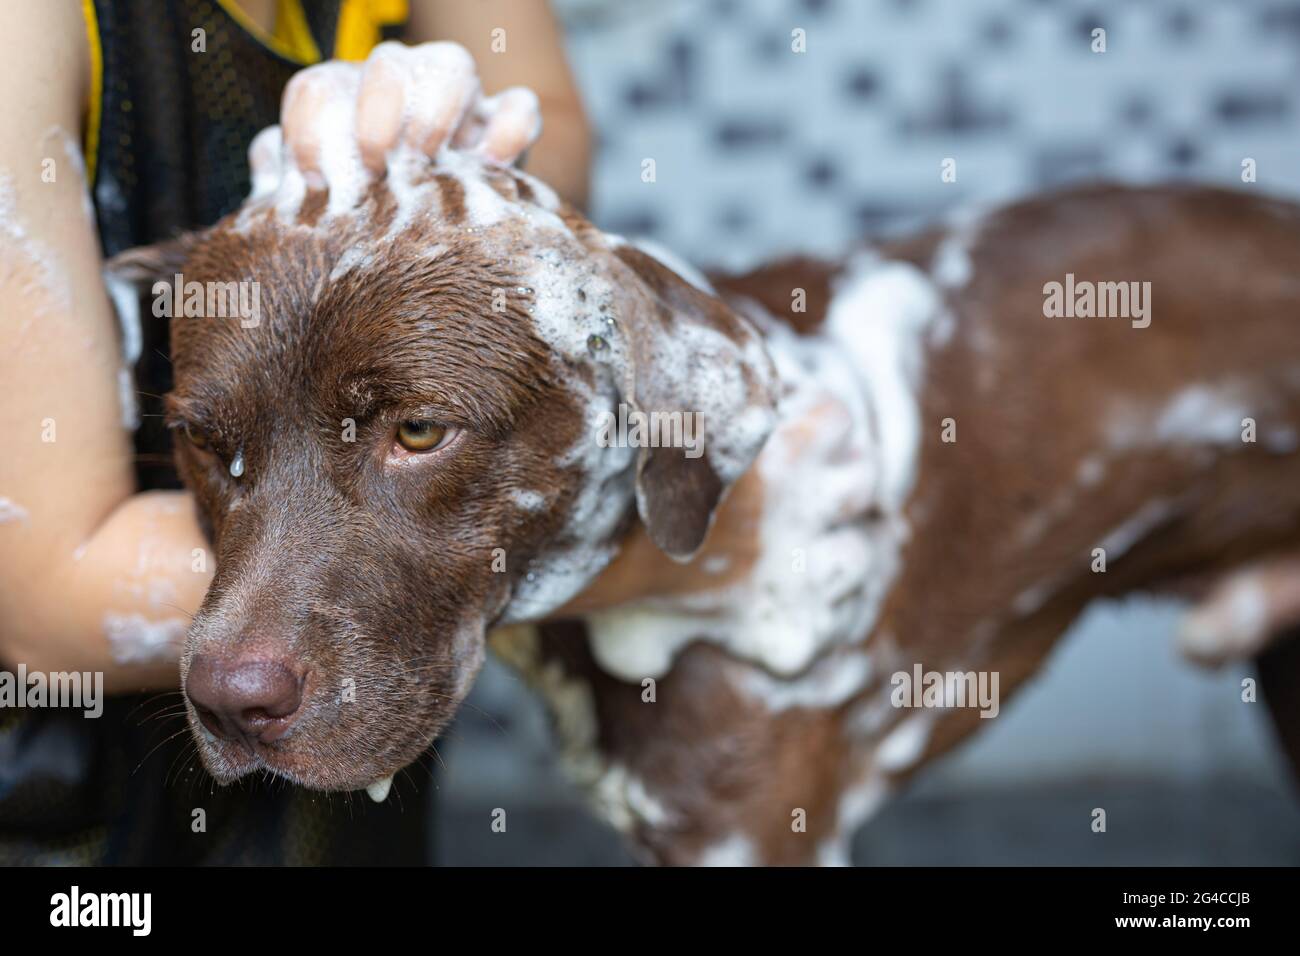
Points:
[(359, 25), (299, 48), (358, 30), (90, 137), (292, 31)]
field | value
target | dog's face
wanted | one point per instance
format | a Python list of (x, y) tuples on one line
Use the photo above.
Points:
[(400, 450)]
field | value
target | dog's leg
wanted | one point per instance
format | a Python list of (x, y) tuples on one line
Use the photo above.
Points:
[(702, 765), (1279, 680), (1255, 612)]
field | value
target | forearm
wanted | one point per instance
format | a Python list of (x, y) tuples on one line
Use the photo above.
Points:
[(86, 567), (118, 603), (561, 158)]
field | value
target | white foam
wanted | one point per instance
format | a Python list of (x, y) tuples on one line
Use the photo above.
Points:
[(623, 799), (134, 639), (72, 153), (42, 272), (832, 680), (125, 298), (676, 263), (904, 746), (12, 511), (266, 162), (1150, 516), (1232, 624), (1031, 599), (733, 850), (335, 122), (886, 314), (529, 500), (1200, 414), (862, 800), (824, 562), (438, 87), (952, 267)]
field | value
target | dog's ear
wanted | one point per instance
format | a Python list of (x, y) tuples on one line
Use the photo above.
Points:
[(145, 264), (691, 354), (128, 276)]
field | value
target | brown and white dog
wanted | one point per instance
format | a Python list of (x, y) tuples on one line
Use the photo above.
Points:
[(906, 461)]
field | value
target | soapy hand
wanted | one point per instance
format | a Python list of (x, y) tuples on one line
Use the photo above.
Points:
[(343, 124)]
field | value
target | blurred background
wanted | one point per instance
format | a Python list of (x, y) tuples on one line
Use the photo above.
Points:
[(759, 151)]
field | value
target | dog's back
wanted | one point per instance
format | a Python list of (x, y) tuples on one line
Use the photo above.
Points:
[(1069, 398)]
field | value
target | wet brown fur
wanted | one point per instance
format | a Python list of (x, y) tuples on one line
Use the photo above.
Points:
[(317, 541)]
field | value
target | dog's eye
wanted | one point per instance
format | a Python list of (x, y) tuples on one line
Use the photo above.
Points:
[(196, 437), (420, 435)]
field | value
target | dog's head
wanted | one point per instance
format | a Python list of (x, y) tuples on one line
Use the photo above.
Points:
[(401, 440)]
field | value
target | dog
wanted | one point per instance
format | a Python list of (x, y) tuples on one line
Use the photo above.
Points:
[(916, 466)]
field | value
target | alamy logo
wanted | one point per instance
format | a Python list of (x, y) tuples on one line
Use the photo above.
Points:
[(208, 300), (944, 689), (1102, 300), (75, 689), (632, 428), (103, 909)]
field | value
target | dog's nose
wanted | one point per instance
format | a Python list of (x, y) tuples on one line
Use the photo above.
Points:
[(240, 697)]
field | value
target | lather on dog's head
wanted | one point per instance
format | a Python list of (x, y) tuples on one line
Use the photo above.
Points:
[(416, 413)]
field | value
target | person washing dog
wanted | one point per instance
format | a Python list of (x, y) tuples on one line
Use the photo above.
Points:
[(130, 121)]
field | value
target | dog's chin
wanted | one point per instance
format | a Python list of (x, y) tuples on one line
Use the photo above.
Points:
[(227, 761)]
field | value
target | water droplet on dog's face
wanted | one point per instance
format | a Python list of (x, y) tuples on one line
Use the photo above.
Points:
[(237, 464)]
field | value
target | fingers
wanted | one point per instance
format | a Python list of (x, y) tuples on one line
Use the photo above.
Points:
[(514, 123), (1248, 610), (342, 124), (264, 162), (413, 97), (380, 106), (443, 87), (317, 119)]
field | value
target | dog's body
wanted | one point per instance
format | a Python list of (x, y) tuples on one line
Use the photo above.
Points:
[(921, 467), (1033, 441)]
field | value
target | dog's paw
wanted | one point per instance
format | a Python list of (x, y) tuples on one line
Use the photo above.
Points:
[(345, 124)]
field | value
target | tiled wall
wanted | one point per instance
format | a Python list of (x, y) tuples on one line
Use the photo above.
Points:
[(760, 149)]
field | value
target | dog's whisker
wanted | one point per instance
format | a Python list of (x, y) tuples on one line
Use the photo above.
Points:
[(438, 757), (177, 607), (155, 747), (149, 700), (164, 715), (185, 753)]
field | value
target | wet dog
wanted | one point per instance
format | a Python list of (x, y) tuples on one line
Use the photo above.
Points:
[(909, 464)]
